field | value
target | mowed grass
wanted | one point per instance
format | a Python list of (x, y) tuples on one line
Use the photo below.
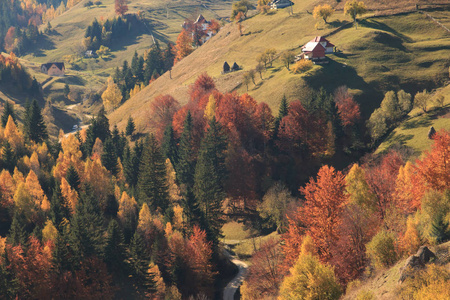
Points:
[(413, 132), (235, 231), (385, 53)]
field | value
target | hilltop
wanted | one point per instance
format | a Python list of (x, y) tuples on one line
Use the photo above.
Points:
[(391, 52)]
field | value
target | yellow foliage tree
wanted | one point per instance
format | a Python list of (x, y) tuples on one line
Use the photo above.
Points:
[(159, 287), (323, 12), (34, 188), (49, 232), (112, 96), (7, 187), (310, 279), (13, 135), (70, 196), (34, 162), (411, 240), (127, 210), (145, 220), (210, 110)]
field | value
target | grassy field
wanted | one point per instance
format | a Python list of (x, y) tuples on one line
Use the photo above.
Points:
[(406, 51), (413, 131)]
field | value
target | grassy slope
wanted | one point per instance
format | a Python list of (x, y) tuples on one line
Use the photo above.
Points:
[(70, 28), (414, 130), (384, 283), (385, 53)]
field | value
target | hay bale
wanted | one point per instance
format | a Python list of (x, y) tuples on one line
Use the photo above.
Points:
[(431, 132), (226, 67)]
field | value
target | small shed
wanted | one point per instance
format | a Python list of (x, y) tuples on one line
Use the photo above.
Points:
[(226, 67), (235, 67)]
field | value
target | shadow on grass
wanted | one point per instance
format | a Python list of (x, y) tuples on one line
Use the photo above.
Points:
[(424, 121), (335, 74), (337, 23), (44, 44), (370, 23), (397, 139)]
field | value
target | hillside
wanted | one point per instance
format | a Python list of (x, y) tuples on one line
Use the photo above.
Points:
[(413, 132), (69, 29), (385, 283), (386, 52)]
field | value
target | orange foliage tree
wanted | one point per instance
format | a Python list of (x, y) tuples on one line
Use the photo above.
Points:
[(183, 45)]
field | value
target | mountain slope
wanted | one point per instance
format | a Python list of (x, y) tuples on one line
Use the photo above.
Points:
[(402, 51)]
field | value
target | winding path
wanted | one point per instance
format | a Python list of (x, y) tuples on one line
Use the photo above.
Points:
[(233, 285)]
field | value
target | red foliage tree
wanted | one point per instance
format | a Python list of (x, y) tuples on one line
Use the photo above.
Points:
[(434, 167), (348, 111), (321, 213), (201, 88), (162, 110), (214, 26), (381, 178), (121, 7), (183, 46), (265, 275), (9, 39)]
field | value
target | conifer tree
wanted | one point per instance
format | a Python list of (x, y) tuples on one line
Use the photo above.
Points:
[(115, 249), (152, 182), (130, 127), (169, 145), (9, 283), (34, 126), (109, 156), (17, 233), (8, 157), (57, 210), (210, 174), (186, 164), (8, 111), (73, 178), (86, 226), (282, 112), (138, 257), (99, 128)]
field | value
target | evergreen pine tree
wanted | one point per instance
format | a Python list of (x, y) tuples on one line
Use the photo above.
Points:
[(119, 141), (17, 233), (9, 283), (284, 108), (210, 174), (115, 249), (63, 259), (138, 258), (57, 210), (87, 226), (186, 157), (169, 146), (152, 182), (109, 157), (34, 125), (99, 128), (8, 157), (8, 111), (440, 229), (73, 178), (130, 127), (282, 112)]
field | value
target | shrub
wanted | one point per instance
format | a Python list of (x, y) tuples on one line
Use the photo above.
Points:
[(431, 283), (88, 4), (381, 249), (434, 216), (365, 295), (302, 66)]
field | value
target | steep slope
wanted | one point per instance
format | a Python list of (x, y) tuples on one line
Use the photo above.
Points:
[(386, 52)]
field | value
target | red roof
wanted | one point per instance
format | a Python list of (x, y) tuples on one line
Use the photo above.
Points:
[(311, 46), (319, 39)]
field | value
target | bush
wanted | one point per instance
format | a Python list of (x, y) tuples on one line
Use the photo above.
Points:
[(365, 295), (302, 66), (381, 249), (434, 217), (98, 3), (431, 283), (88, 4)]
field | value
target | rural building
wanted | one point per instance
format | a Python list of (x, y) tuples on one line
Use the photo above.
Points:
[(200, 24), (53, 69), (276, 4), (329, 47)]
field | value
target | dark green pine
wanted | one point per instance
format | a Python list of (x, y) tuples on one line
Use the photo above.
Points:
[(152, 182), (109, 156), (129, 130), (138, 259), (115, 249), (284, 108), (73, 178), (8, 157), (185, 168), (8, 111), (17, 233), (169, 146), (35, 128), (87, 226), (210, 174)]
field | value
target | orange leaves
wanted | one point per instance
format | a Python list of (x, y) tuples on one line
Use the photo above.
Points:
[(183, 45), (324, 199), (162, 110), (434, 167), (70, 196), (13, 135)]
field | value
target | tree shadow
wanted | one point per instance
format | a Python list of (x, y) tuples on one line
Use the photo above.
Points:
[(337, 23), (335, 74), (44, 44), (371, 23), (397, 139), (424, 121)]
